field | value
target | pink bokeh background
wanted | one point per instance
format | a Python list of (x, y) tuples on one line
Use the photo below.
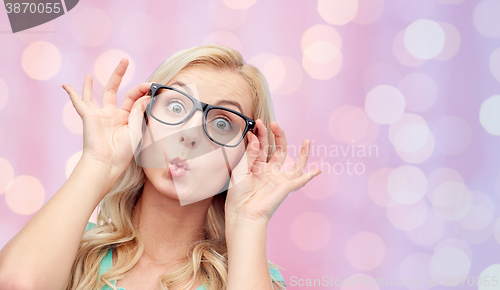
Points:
[(400, 99)]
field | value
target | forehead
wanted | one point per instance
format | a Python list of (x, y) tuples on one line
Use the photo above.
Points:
[(217, 87)]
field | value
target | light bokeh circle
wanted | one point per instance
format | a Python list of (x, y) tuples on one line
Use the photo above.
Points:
[(411, 138), (429, 232), (71, 119), (452, 42), (378, 188), (497, 230), (338, 12), (72, 162), (4, 94), (322, 71), (272, 67), (480, 212), (322, 59), (25, 195), (451, 200), (7, 174), (311, 231), (487, 275), (406, 217), (239, 4), (450, 262), (349, 124), (489, 115), (321, 52), (424, 39), (416, 267), (365, 250), (381, 73), (485, 18), (407, 184), (369, 11), (321, 32), (495, 63), (322, 186), (106, 64), (41, 60), (421, 155), (402, 54), (293, 77), (384, 104)]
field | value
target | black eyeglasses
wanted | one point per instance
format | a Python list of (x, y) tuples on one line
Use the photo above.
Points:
[(223, 126)]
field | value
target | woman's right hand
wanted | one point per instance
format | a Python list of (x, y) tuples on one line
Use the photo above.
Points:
[(106, 132)]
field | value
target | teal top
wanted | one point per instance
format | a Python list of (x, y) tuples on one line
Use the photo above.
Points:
[(107, 264)]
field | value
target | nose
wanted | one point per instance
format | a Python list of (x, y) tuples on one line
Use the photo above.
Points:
[(192, 131)]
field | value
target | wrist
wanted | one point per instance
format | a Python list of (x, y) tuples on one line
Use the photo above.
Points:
[(97, 173), (241, 219), (245, 228)]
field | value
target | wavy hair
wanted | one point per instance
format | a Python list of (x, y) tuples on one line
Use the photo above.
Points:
[(207, 258)]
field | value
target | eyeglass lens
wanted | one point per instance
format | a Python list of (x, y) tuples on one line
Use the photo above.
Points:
[(222, 126)]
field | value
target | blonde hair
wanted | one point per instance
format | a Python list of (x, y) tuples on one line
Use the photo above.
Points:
[(206, 258)]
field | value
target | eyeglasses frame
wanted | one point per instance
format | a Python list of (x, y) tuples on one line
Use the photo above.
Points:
[(197, 105)]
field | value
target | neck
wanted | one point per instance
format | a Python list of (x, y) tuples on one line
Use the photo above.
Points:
[(167, 228)]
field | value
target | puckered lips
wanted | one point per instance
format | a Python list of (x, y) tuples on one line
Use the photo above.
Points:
[(177, 167)]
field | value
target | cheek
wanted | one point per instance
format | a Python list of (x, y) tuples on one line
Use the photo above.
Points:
[(235, 155), (152, 174)]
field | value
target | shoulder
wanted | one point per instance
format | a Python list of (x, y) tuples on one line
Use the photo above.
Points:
[(276, 275)]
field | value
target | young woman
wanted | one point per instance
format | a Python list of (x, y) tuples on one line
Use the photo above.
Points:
[(146, 237)]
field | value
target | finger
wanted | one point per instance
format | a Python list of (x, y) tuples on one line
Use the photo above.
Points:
[(279, 155), (109, 95), (75, 99), (262, 136), (301, 161), (134, 94), (302, 180), (87, 89), (253, 150), (251, 153), (136, 122), (246, 163), (143, 102)]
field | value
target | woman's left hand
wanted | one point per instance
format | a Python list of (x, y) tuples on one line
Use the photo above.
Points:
[(259, 186)]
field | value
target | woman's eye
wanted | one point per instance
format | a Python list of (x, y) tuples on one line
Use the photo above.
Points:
[(176, 107), (221, 124)]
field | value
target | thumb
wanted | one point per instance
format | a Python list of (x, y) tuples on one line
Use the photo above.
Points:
[(75, 99), (244, 167), (136, 121)]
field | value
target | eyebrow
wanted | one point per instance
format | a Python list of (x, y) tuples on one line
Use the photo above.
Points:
[(236, 104), (183, 85), (220, 102)]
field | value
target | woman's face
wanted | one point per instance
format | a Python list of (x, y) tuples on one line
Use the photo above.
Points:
[(204, 171)]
